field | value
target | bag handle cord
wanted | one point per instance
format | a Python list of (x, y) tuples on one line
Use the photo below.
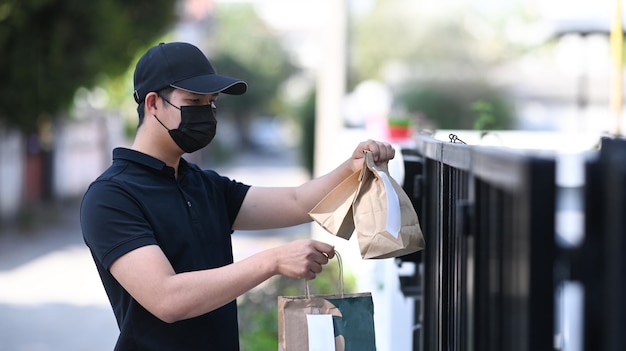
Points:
[(341, 292)]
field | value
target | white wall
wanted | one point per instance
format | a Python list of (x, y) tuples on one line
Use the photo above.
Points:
[(82, 152)]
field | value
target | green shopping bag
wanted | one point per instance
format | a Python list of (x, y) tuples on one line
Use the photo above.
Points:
[(340, 322)]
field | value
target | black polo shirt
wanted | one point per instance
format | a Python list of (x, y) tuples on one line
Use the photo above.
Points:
[(137, 201)]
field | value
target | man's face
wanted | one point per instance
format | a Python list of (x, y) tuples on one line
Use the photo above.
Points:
[(183, 98)]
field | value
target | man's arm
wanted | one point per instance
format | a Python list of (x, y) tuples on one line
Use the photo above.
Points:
[(265, 207), (148, 276)]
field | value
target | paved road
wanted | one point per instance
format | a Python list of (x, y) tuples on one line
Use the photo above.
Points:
[(51, 298), (50, 294)]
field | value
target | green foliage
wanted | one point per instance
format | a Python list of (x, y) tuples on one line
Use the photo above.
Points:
[(449, 49), (458, 105), (417, 38), (485, 119), (245, 47), (50, 48), (399, 121), (306, 116), (240, 44), (258, 313)]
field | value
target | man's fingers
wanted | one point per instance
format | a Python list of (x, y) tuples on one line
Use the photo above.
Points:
[(316, 268), (382, 151), (308, 260), (325, 249)]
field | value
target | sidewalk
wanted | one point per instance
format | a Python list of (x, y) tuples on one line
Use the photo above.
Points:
[(51, 298), (50, 294)]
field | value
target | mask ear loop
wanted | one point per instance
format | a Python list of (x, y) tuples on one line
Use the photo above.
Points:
[(157, 118), (307, 291)]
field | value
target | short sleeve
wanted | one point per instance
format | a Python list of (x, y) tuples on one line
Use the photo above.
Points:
[(234, 193), (112, 222)]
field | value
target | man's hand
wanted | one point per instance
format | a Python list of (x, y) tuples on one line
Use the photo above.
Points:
[(303, 259), (381, 151)]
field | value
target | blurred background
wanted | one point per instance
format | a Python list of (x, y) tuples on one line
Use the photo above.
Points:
[(322, 75)]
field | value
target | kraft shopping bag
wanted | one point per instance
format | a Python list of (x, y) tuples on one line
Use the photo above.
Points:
[(341, 322)]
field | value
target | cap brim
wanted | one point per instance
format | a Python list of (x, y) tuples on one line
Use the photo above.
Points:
[(212, 84)]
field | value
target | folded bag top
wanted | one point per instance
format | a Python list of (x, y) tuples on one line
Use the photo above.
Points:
[(334, 211)]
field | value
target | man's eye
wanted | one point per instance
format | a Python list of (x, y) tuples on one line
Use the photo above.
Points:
[(193, 101)]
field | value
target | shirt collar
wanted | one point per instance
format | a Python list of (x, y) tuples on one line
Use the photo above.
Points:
[(157, 165)]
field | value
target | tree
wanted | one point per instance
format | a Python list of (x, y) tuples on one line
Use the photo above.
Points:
[(461, 105), (440, 41), (52, 47), (245, 47), (436, 59)]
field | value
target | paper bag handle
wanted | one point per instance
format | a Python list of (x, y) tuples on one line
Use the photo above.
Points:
[(306, 287), (370, 165)]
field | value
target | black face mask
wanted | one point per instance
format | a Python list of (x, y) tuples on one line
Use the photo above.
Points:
[(197, 128)]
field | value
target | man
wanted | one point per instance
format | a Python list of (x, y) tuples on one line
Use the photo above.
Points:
[(159, 227)]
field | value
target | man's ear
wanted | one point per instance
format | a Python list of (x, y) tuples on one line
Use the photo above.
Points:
[(151, 103)]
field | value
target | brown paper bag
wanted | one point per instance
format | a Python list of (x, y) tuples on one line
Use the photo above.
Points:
[(386, 221), (334, 211), (374, 204), (352, 321), (347, 321)]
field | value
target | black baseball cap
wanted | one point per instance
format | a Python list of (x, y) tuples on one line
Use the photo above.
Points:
[(182, 66)]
